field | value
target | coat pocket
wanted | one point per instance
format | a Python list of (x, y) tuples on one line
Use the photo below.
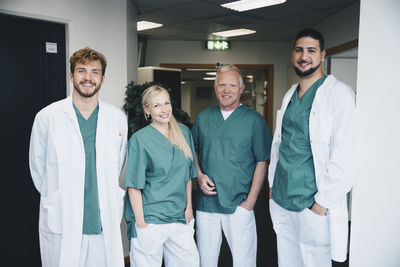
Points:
[(51, 213)]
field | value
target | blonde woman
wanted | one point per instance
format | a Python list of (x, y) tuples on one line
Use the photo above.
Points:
[(158, 177)]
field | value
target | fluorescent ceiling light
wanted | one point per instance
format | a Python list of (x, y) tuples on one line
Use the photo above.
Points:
[(146, 25), (211, 73), (209, 78), (236, 32), (244, 5), (200, 69)]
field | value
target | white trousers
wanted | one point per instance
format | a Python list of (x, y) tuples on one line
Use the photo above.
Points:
[(240, 231), (174, 240), (93, 253), (302, 237)]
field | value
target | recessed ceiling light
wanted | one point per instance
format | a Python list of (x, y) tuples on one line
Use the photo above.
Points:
[(200, 69), (236, 32), (146, 25), (209, 78), (211, 73), (244, 5)]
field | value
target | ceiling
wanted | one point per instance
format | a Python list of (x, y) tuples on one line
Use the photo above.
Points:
[(197, 19)]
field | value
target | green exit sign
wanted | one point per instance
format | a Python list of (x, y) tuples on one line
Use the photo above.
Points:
[(218, 45)]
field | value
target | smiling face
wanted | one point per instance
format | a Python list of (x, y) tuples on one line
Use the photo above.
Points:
[(160, 109), (87, 78), (307, 57), (228, 89)]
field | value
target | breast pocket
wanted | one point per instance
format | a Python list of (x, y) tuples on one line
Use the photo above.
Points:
[(60, 146), (240, 149), (322, 128)]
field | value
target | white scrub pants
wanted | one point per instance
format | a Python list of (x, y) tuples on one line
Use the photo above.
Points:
[(302, 237), (174, 240), (240, 231), (93, 253)]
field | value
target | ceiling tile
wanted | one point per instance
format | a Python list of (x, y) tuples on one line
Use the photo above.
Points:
[(235, 20), (324, 4), (284, 10), (304, 20), (158, 4), (163, 17), (200, 9), (197, 19), (168, 30), (199, 25)]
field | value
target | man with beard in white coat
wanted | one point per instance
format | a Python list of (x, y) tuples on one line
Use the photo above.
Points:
[(312, 161), (76, 155)]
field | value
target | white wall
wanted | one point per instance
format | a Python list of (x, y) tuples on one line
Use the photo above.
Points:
[(345, 69), (132, 42), (375, 229), (242, 52), (99, 24)]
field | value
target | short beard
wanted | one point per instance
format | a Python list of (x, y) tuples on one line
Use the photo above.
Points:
[(87, 95), (307, 72)]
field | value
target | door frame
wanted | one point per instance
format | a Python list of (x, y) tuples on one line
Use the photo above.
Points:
[(337, 49)]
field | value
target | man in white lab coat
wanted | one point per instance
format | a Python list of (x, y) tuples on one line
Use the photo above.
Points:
[(77, 151), (312, 161)]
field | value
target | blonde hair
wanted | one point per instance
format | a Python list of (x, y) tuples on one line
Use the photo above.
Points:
[(229, 67), (175, 134)]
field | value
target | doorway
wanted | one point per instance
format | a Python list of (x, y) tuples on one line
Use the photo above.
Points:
[(31, 78)]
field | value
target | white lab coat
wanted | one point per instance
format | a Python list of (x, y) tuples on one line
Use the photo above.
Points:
[(57, 163), (333, 129)]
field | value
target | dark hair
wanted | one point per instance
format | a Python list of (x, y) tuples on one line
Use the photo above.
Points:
[(86, 54), (313, 34)]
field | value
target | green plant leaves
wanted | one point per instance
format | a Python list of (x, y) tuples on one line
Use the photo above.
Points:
[(133, 107)]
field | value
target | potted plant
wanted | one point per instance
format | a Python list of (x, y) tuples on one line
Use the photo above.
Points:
[(133, 107)]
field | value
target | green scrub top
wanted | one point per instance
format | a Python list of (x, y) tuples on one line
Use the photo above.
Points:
[(91, 213), (161, 171), (228, 152), (294, 181)]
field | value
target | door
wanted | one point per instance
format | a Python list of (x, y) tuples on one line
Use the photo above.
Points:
[(30, 80)]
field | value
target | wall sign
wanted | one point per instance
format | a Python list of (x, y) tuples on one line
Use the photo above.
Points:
[(218, 45)]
